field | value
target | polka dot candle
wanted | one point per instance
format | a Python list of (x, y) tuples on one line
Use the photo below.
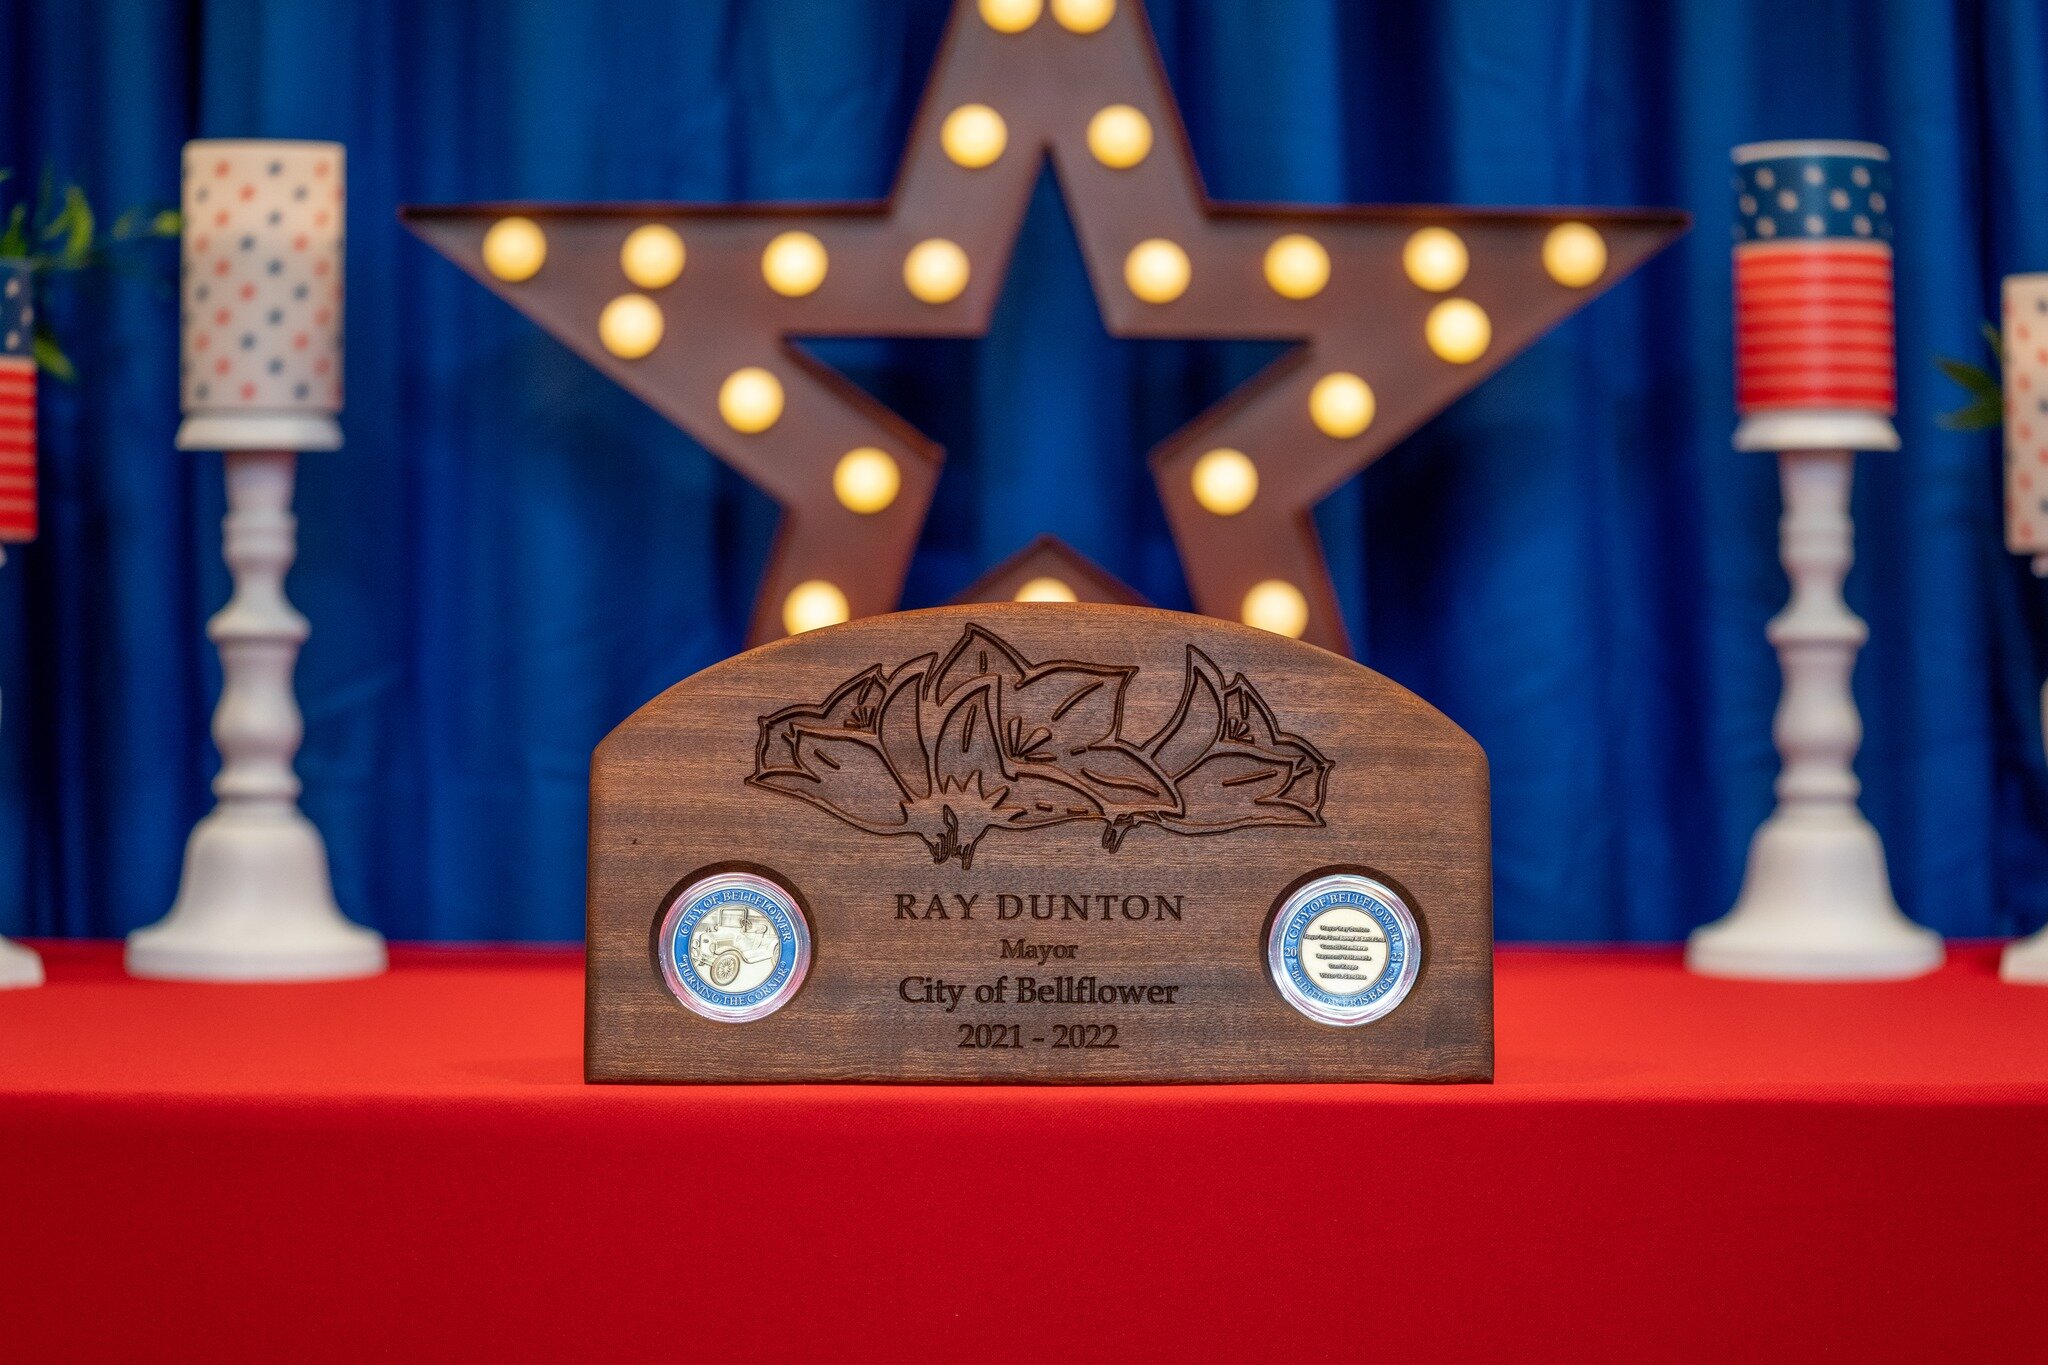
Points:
[(2026, 414), (262, 298)]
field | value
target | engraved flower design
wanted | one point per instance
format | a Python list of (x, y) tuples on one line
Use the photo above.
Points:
[(949, 748)]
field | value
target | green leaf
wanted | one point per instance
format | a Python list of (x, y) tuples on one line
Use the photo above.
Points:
[(73, 226), (167, 223), (1974, 378), (1991, 334), (1984, 414), (14, 241), (50, 358)]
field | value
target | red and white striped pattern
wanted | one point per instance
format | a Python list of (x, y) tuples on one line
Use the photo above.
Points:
[(17, 449), (1813, 326)]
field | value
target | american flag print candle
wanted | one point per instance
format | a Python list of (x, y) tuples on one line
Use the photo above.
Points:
[(17, 404), (1813, 278), (262, 266), (2025, 329)]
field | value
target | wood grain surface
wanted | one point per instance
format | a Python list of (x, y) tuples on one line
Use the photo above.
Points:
[(1083, 752)]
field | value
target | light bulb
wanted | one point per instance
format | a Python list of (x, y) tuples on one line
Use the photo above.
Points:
[(515, 249), (1435, 259), (1157, 271), (630, 326), (1083, 16), (866, 480), (1297, 266), (1225, 482), (1278, 606), (1119, 136), (935, 271), (813, 603), (1458, 331), (1046, 589), (1010, 16), (1341, 405), (1575, 255), (974, 135), (652, 256), (750, 400), (794, 264)]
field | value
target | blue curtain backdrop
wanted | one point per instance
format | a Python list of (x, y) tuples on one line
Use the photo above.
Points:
[(510, 554)]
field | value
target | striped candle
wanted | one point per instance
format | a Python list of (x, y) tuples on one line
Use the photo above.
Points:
[(17, 404), (1813, 279)]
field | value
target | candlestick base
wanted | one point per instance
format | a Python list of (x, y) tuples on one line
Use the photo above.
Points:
[(1816, 905), (19, 966), (254, 905), (2025, 963)]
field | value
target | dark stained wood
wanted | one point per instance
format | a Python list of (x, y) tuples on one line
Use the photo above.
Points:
[(1047, 83), (1376, 780)]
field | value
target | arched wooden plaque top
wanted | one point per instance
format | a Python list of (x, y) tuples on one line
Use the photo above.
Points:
[(1039, 842)]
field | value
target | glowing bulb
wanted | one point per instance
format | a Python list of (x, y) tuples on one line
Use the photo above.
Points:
[(1083, 16), (1225, 482), (1046, 590), (515, 249), (1278, 606), (1341, 405), (1435, 259), (974, 135), (1157, 270), (1575, 255), (813, 603), (866, 480), (1297, 266), (1119, 136), (652, 256), (750, 400), (630, 326), (935, 271), (1458, 331), (1010, 16), (794, 264)]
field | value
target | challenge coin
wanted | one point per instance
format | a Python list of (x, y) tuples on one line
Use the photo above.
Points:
[(734, 947), (1344, 949)]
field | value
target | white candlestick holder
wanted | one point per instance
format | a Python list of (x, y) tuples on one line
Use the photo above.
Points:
[(19, 965), (256, 902), (2025, 962), (1816, 902)]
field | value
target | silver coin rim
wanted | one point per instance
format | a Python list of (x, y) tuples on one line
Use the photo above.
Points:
[(665, 955), (1411, 965)]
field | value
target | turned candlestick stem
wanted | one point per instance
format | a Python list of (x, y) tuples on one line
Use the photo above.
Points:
[(19, 965), (2026, 961), (1816, 901), (256, 902)]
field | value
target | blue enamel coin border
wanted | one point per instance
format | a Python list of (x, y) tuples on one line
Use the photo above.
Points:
[(702, 897), (1387, 909)]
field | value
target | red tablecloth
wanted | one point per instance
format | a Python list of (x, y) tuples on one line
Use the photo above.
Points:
[(1667, 1169)]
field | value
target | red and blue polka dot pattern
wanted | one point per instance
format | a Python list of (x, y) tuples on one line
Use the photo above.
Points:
[(262, 276), (2026, 414)]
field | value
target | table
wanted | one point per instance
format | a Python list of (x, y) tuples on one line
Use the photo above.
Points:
[(1668, 1169)]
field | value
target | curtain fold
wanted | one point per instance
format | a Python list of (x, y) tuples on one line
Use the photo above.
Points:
[(510, 554)]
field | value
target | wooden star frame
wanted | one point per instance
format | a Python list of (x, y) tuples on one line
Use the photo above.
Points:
[(1050, 563), (1063, 80)]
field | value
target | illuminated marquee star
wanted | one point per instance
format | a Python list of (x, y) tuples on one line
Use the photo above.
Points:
[(1398, 310)]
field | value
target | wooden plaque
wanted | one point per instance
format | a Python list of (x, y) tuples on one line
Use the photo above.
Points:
[(1037, 842)]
